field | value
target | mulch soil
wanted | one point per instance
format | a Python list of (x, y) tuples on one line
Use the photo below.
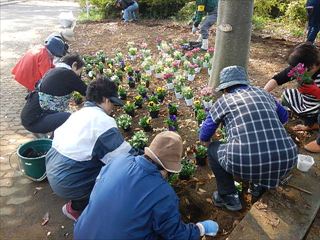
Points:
[(267, 57)]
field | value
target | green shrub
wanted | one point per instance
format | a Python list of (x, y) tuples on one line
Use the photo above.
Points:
[(296, 12), (259, 22), (187, 12), (160, 8)]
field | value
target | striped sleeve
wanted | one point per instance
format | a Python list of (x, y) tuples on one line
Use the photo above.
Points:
[(109, 145)]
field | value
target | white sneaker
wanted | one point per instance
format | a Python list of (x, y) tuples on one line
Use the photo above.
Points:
[(205, 43)]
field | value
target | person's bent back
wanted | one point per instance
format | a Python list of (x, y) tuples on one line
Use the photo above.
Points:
[(132, 200)]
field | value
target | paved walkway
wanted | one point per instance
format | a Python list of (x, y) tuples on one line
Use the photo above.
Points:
[(23, 203)]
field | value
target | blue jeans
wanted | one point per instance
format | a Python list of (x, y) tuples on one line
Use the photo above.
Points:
[(128, 13), (207, 24), (312, 33), (225, 181)]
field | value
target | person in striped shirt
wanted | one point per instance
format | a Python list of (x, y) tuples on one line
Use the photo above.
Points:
[(87, 141), (303, 101)]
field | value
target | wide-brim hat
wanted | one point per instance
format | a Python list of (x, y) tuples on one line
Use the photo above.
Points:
[(68, 35), (231, 76), (166, 150)]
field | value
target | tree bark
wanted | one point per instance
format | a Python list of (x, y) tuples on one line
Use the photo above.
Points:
[(232, 37)]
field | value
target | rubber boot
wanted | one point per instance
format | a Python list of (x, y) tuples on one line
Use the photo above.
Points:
[(204, 45)]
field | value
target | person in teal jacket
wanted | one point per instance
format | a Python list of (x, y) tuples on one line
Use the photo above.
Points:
[(208, 8)]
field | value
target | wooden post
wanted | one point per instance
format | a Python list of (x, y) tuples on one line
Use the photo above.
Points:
[(232, 37)]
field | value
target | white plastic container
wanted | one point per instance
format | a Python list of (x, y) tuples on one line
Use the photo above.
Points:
[(305, 162)]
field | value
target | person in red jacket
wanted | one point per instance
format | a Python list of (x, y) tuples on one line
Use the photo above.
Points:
[(36, 62)]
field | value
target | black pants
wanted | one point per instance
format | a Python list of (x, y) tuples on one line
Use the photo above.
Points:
[(79, 205), (225, 181), (48, 122)]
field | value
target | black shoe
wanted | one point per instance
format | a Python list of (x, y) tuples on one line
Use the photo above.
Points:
[(230, 201), (257, 190)]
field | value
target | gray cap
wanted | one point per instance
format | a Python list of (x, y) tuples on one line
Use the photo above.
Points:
[(231, 76)]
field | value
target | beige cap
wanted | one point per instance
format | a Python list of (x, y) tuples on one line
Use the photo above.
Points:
[(68, 35), (166, 150)]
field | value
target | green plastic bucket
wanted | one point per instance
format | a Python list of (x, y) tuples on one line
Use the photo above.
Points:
[(32, 157)]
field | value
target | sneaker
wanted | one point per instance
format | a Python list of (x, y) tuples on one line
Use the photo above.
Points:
[(69, 212), (256, 190), (230, 201)]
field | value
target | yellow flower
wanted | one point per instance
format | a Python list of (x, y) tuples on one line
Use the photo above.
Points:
[(128, 102), (148, 121), (196, 102), (151, 104), (138, 97)]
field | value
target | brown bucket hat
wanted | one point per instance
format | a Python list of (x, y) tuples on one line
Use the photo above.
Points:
[(166, 150)]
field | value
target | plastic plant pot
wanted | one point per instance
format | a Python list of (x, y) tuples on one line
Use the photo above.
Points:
[(305, 162)]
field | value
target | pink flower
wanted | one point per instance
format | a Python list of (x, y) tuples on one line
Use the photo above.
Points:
[(176, 63), (195, 50), (189, 54), (168, 75), (207, 91), (210, 50), (193, 65), (144, 45)]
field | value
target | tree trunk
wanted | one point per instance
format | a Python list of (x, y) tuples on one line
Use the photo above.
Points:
[(233, 36)]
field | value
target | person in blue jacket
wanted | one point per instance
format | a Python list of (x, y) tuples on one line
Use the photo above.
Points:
[(313, 10), (132, 199), (83, 144), (258, 148)]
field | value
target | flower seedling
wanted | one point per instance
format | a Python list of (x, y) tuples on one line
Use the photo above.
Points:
[(139, 140), (173, 178), (169, 77), (146, 80), (188, 170), (129, 70), (133, 51), (115, 79), (138, 101), (197, 106), (153, 109), (124, 121), (145, 123), (77, 97), (300, 74), (131, 82), (201, 155), (187, 92), (142, 90), (172, 123), (173, 108), (201, 116), (122, 93), (206, 94), (161, 93), (129, 108)]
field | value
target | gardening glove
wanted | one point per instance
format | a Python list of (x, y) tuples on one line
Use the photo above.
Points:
[(194, 29), (208, 227)]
